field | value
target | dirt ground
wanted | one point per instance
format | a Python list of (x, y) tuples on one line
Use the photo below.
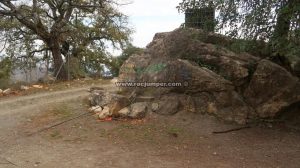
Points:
[(181, 141)]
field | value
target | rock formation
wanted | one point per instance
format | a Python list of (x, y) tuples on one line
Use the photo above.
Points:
[(233, 86)]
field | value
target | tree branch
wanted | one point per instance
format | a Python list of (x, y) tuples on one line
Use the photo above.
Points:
[(6, 13), (4, 46), (38, 28)]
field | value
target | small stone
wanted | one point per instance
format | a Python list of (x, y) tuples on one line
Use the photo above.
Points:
[(7, 91), (98, 110), (269, 125), (95, 109), (138, 110), (36, 164), (37, 86), (211, 108), (22, 87), (154, 107), (124, 112), (104, 113), (118, 104)]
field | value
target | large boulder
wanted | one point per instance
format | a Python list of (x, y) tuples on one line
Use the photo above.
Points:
[(211, 78), (190, 76), (207, 88), (134, 67), (206, 49), (138, 110), (227, 105), (271, 89)]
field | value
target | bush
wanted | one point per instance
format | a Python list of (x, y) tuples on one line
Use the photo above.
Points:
[(5, 71), (5, 68), (4, 83)]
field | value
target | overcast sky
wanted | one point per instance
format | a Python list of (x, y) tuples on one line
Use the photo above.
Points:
[(148, 17)]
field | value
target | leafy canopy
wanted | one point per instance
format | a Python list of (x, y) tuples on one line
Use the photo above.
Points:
[(85, 28), (274, 21)]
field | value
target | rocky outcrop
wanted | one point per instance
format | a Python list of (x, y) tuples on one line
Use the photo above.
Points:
[(213, 79), (206, 49), (271, 89)]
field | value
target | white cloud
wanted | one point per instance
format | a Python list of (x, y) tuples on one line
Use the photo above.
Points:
[(149, 17), (151, 8)]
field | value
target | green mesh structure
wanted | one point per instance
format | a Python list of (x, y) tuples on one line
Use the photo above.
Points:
[(200, 18)]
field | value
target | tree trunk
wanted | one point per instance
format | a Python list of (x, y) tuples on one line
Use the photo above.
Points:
[(59, 68), (280, 40), (282, 27)]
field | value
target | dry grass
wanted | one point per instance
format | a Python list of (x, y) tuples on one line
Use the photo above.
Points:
[(49, 115), (54, 86)]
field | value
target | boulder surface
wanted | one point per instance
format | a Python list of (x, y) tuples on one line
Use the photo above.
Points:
[(210, 78)]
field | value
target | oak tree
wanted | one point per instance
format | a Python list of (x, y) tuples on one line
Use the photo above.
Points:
[(77, 27)]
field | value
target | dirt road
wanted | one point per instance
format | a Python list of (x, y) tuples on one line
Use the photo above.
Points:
[(17, 111), (183, 140)]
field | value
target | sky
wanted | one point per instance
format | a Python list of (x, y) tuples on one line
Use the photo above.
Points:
[(148, 17)]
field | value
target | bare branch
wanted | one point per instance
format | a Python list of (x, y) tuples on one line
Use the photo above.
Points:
[(38, 51), (4, 46)]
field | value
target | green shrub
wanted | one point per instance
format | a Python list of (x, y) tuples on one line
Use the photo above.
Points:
[(5, 71), (4, 83)]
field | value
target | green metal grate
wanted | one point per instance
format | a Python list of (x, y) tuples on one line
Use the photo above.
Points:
[(200, 18)]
